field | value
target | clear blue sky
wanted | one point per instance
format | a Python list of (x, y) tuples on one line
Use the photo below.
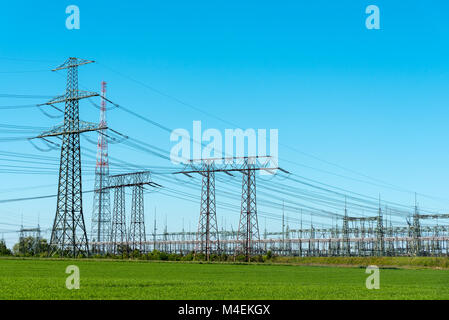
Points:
[(372, 101)]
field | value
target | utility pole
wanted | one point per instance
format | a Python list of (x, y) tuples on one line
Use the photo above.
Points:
[(380, 232), (283, 228), (300, 234), (416, 230), (154, 230), (346, 242)]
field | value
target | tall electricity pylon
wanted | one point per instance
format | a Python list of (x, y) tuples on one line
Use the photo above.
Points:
[(118, 231), (207, 228), (207, 239), (248, 234), (137, 239), (69, 235), (101, 215), (207, 236)]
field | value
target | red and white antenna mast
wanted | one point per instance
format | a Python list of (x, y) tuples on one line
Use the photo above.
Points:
[(101, 217), (102, 148)]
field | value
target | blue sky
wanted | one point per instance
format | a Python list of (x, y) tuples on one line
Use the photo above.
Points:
[(372, 101)]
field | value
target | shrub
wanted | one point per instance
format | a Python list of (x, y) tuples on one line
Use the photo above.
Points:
[(174, 257), (187, 257), (163, 256), (240, 258)]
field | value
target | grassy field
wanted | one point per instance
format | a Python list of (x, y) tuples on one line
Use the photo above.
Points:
[(45, 279)]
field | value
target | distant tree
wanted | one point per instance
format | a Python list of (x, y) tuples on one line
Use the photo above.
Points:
[(4, 251), (200, 257), (163, 256), (187, 257), (240, 258), (214, 257), (269, 254), (30, 246), (135, 254), (124, 250)]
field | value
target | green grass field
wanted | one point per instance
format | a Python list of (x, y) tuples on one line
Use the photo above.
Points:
[(45, 279)]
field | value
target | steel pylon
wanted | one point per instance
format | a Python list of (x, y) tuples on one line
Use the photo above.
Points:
[(248, 235), (207, 236), (137, 238), (248, 238), (137, 224), (118, 232), (69, 235)]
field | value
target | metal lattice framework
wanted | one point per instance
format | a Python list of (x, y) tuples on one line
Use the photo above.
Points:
[(359, 230), (207, 236), (248, 234), (137, 223), (69, 235), (361, 237), (380, 234), (118, 230), (35, 235), (137, 238), (101, 214)]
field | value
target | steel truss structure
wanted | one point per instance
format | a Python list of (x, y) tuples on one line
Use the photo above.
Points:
[(69, 237), (319, 242), (136, 239), (207, 236), (101, 214), (30, 233)]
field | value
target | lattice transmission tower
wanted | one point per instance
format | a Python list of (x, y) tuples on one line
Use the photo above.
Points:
[(248, 234), (118, 231), (101, 215), (207, 236), (69, 235), (136, 238)]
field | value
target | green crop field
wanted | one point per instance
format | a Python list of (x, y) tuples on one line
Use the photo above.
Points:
[(105, 279)]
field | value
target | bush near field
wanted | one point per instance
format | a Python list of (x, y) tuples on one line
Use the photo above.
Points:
[(191, 256), (28, 250), (440, 262), (269, 258)]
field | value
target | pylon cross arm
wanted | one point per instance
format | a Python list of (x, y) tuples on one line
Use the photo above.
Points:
[(83, 127), (72, 62), (76, 95)]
